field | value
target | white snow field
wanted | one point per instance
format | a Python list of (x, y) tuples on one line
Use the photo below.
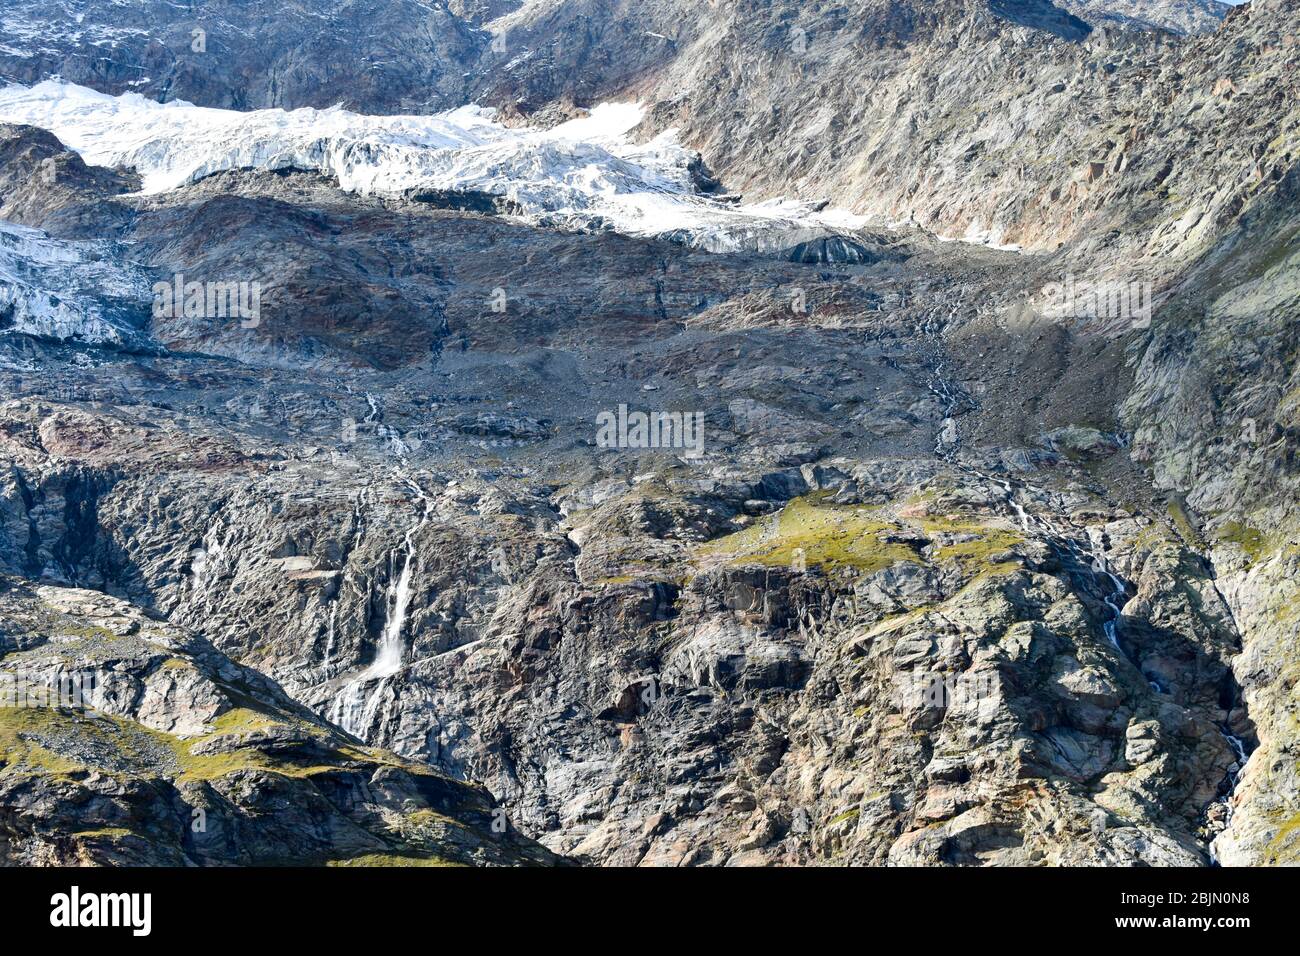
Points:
[(584, 173)]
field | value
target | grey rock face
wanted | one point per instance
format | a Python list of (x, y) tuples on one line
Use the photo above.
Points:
[(389, 57), (748, 714), (1180, 16), (45, 182), (1073, 150), (956, 577)]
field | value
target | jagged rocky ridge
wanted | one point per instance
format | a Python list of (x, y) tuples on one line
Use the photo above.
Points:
[(628, 648)]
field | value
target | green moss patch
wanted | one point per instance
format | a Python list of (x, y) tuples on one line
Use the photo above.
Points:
[(824, 535), (985, 551), (845, 817), (23, 731), (85, 632), (1183, 525), (1250, 540), (106, 833), (31, 739)]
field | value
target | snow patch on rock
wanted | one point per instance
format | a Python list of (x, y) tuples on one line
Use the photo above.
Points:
[(67, 291)]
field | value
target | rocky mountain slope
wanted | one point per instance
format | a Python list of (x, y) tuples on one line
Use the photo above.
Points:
[(146, 746), (392, 56), (959, 574), (1180, 16)]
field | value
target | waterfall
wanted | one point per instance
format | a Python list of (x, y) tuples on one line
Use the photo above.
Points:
[(1235, 773), (947, 447), (1101, 571), (1088, 555), (388, 658), (357, 703)]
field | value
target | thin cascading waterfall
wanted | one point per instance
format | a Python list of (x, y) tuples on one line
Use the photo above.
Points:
[(948, 437), (1114, 591), (331, 632), (947, 446), (388, 656), (348, 706), (355, 707), (1101, 572), (1239, 749), (1111, 624), (1233, 780), (1090, 556)]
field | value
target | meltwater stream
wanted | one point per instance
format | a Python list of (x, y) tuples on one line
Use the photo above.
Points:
[(1090, 556), (1235, 773), (946, 446), (1101, 569)]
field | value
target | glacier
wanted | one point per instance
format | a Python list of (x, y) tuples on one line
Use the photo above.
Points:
[(69, 291), (583, 174)]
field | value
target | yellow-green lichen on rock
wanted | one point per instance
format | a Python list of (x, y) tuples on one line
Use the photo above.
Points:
[(822, 535), (983, 550), (1183, 524), (104, 833), (1284, 848), (22, 730), (1252, 541), (32, 741)]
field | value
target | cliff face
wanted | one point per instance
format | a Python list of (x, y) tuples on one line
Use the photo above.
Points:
[(967, 567)]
